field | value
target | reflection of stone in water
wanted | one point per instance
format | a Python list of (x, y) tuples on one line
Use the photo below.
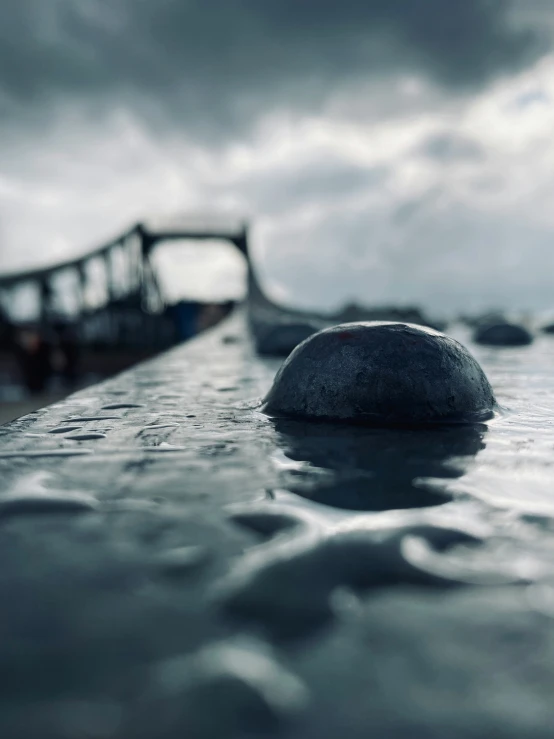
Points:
[(374, 469)]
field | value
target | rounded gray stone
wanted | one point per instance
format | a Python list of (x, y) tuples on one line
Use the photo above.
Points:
[(503, 334), (381, 373)]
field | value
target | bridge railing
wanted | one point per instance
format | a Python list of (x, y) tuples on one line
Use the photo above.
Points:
[(109, 298)]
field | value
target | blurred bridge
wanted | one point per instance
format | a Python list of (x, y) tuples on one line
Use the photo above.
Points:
[(129, 277), (129, 316)]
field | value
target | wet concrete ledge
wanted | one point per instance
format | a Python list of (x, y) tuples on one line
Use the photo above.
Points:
[(174, 563)]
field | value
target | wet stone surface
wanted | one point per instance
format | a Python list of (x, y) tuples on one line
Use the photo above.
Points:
[(384, 374), (200, 569)]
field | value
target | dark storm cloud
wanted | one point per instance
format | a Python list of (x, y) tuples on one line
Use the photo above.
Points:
[(222, 63)]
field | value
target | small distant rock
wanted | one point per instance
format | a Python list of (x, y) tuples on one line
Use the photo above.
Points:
[(548, 329), (281, 339), (382, 374), (503, 334)]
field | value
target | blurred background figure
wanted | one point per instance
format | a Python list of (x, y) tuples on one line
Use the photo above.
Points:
[(34, 353), (67, 352)]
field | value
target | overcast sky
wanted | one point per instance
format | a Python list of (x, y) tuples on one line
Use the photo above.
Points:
[(386, 150)]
